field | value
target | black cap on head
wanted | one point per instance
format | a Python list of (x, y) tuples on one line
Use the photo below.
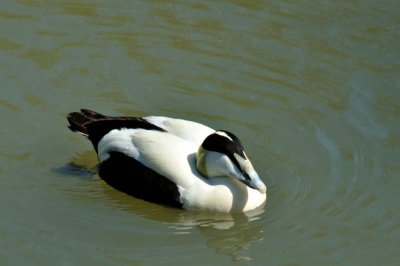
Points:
[(224, 142)]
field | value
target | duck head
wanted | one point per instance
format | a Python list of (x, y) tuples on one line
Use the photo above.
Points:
[(222, 154)]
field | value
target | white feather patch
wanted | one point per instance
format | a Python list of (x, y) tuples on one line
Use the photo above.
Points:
[(187, 130), (166, 154), (118, 141), (223, 134)]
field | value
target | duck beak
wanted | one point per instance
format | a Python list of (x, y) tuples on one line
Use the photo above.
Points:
[(250, 176), (253, 180)]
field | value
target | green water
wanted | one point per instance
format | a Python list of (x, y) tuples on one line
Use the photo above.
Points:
[(312, 89)]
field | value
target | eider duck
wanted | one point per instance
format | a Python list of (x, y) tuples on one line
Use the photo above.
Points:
[(172, 161)]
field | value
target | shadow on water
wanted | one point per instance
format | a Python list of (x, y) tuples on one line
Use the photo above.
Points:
[(76, 170), (83, 166), (227, 234)]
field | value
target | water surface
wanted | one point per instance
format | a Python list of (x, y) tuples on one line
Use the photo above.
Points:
[(312, 89)]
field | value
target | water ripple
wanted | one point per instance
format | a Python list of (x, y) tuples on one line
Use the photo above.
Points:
[(314, 98)]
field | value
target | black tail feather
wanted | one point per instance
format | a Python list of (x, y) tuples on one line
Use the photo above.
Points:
[(78, 121), (92, 114), (94, 125)]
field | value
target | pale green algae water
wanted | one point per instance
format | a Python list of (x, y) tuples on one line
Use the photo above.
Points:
[(311, 88)]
